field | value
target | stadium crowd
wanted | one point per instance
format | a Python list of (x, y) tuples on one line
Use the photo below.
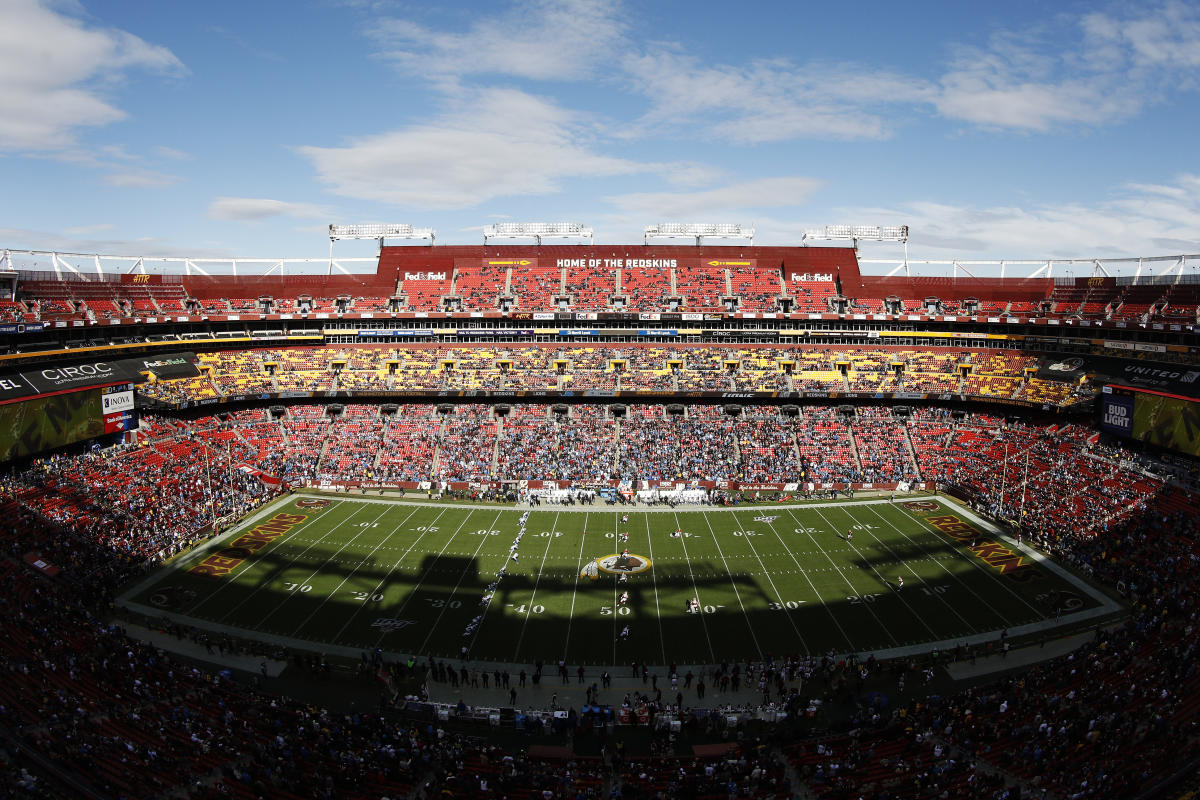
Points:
[(993, 373), (87, 705)]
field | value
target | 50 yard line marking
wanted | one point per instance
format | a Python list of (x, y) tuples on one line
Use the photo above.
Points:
[(662, 642)]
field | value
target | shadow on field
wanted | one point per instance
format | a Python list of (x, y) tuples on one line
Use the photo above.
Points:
[(431, 608)]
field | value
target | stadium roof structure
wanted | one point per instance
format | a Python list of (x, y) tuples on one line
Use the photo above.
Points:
[(1155, 269)]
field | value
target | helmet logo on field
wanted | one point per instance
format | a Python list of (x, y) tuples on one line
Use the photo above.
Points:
[(389, 624), (627, 563), (312, 502), (921, 505), (766, 519), (172, 597)]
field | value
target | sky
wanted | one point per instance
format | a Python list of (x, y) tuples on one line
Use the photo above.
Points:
[(1016, 130)]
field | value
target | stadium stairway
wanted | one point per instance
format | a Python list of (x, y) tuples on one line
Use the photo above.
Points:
[(492, 468), (913, 464), (854, 449), (324, 451)]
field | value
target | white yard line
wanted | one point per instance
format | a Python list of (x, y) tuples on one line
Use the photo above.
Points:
[(258, 559), (261, 622), (454, 591), (838, 569), (733, 583), (991, 573), (696, 588), (384, 580), (662, 643), (816, 591), (575, 589), (899, 595), (416, 586), (943, 567), (350, 574), (767, 573), (536, 579)]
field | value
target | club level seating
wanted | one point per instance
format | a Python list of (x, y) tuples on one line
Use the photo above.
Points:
[(993, 373)]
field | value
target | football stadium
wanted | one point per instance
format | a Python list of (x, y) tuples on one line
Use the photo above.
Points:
[(599, 400), (576, 520)]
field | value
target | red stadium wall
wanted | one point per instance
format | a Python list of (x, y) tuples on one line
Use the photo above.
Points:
[(225, 286), (946, 288), (395, 261)]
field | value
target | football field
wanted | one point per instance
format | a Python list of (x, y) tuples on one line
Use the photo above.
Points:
[(346, 574)]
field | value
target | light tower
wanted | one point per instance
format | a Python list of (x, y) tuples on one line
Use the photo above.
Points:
[(376, 230), (537, 230), (874, 233), (698, 231)]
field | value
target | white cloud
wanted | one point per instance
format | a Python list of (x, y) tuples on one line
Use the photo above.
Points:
[(548, 40), (255, 209), (140, 179), (52, 72), (720, 203), (768, 100), (500, 143), (1135, 220), (81, 240), (162, 151), (88, 230), (1092, 69)]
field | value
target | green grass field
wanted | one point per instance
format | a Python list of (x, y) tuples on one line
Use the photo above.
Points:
[(347, 572)]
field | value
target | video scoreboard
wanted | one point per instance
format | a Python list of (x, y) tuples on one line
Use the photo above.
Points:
[(32, 425), (1165, 420)]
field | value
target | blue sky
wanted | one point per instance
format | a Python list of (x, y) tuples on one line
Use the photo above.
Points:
[(1014, 130)]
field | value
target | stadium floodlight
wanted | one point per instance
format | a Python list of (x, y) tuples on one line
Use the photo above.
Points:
[(537, 230), (379, 230), (374, 230), (698, 231), (874, 233)]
